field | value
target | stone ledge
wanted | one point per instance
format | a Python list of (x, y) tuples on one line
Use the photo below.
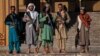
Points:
[(55, 54)]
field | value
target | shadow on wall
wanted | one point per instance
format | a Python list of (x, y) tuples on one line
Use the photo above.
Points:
[(73, 19), (92, 6), (89, 7)]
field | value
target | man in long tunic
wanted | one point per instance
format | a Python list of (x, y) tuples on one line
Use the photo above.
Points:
[(32, 24), (12, 20), (83, 28), (61, 20), (46, 24)]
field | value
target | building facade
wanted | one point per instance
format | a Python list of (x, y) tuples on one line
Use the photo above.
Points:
[(72, 5)]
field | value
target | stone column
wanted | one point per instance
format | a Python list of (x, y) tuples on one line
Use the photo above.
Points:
[(2, 24), (7, 2)]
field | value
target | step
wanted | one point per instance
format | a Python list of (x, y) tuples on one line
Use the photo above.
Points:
[(58, 54)]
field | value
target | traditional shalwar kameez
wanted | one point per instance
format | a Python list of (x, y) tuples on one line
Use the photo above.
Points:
[(61, 30), (31, 19), (46, 29), (83, 27), (13, 23)]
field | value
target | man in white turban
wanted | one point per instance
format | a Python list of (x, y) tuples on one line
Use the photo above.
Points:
[(31, 19)]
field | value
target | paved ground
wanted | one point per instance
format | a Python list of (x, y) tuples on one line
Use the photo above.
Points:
[(70, 51), (67, 54)]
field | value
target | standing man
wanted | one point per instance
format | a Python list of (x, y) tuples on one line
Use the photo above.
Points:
[(61, 21), (32, 25), (46, 23), (83, 29), (12, 20)]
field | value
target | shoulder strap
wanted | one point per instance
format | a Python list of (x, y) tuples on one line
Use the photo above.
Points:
[(58, 14), (28, 14), (12, 19)]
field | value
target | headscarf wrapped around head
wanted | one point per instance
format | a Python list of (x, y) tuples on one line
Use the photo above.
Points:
[(46, 6), (33, 13), (30, 4)]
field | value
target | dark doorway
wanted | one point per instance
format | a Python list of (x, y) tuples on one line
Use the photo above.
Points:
[(22, 33)]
